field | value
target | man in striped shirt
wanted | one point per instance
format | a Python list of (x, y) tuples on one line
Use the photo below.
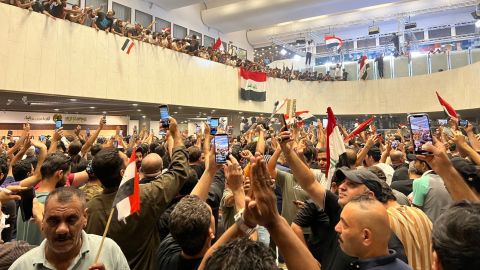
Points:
[(412, 226)]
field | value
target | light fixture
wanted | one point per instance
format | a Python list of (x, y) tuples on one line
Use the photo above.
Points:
[(92, 107), (175, 112), (104, 112), (138, 110), (477, 24), (56, 110), (283, 52), (10, 101), (72, 99), (134, 104), (240, 112), (296, 57), (143, 116)]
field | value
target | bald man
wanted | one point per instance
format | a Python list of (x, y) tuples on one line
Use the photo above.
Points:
[(152, 165), (399, 165), (364, 232)]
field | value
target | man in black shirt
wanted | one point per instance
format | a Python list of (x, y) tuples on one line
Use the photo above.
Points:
[(105, 21)]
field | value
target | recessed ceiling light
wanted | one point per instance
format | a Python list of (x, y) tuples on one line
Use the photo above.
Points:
[(56, 110), (143, 116), (213, 110), (175, 112), (179, 107), (134, 104), (73, 99), (240, 112), (138, 110), (92, 107), (104, 112)]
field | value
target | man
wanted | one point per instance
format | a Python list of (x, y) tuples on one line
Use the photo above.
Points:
[(398, 164), (351, 183), (364, 233), (455, 238), (152, 166), (135, 32), (373, 159), (138, 236), (185, 246), (309, 49), (54, 172), (66, 245), (104, 21), (429, 192), (195, 160), (379, 61), (406, 186)]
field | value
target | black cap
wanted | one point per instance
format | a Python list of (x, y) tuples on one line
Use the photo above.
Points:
[(467, 170), (411, 157), (361, 176)]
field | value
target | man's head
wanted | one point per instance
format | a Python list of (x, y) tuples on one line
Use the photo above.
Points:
[(456, 238), (194, 154), (469, 172), (3, 168), (64, 219), (139, 154), (56, 168), (241, 253), (322, 159), (397, 157), (192, 225), (364, 227), (22, 169), (110, 14), (373, 156), (351, 157), (108, 165), (355, 183), (152, 165)]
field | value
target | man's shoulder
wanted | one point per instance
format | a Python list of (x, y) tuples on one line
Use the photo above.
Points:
[(168, 253), (28, 259)]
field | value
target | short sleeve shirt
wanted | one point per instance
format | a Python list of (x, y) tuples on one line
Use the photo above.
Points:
[(169, 257)]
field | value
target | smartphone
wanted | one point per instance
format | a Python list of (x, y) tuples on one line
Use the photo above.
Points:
[(442, 122), (26, 203), (121, 132), (463, 123), (164, 115), (58, 124), (9, 133), (325, 122), (87, 130), (284, 121), (198, 130), (420, 132), (221, 148), (213, 123), (395, 144), (42, 138), (104, 117), (115, 144)]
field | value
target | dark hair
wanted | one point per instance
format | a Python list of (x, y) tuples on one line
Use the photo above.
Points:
[(190, 223), (252, 147), (80, 165), (21, 169), (310, 153), (53, 163), (387, 193), (375, 153), (66, 194), (107, 165), (160, 150), (95, 149), (74, 148), (194, 154), (456, 237), (3, 167), (242, 253), (190, 182)]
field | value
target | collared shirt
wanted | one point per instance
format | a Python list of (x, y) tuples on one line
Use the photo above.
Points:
[(389, 262), (139, 237), (111, 256)]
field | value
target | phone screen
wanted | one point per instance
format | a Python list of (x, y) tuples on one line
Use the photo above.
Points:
[(221, 148), (26, 203), (442, 122), (115, 144), (395, 144), (9, 133), (463, 123), (213, 122), (420, 131), (42, 138), (58, 124), (164, 116), (325, 122)]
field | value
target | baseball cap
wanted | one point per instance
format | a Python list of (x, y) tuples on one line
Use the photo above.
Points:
[(467, 170), (361, 176)]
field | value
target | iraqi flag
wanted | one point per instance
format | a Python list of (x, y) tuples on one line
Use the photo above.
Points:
[(333, 41), (253, 85), (361, 127), (127, 199), (128, 45), (335, 146), (449, 110), (300, 117), (217, 44)]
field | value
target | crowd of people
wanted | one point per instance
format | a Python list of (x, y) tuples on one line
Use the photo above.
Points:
[(270, 207)]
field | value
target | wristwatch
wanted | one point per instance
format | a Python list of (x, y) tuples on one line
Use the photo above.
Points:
[(240, 221)]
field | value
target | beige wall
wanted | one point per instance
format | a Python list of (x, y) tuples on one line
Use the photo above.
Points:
[(41, 55)]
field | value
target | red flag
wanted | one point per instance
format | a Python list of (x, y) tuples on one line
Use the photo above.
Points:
[(127, 199), (449, 110), (361, 127), (217, 44)]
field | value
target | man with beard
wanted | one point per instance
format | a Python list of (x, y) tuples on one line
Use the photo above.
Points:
[(66, 245), (54, 170)]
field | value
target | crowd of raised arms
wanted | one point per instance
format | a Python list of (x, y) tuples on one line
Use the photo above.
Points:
[(269, 207), (97, 19)]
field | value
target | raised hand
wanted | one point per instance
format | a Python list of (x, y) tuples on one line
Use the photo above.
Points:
[(233, 174)]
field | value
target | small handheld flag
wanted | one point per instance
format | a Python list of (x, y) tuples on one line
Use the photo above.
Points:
[(127, 199), (361, 127), (449, 110), (217, 44), (335, 146), (333, 41), (128, 45)]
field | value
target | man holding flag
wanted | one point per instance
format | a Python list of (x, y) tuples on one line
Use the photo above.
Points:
[(136, 208)]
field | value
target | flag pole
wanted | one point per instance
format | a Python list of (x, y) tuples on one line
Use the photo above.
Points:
[(104, 235)]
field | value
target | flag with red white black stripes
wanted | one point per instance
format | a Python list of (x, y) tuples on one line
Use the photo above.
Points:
[(127, 199), (128, 46)]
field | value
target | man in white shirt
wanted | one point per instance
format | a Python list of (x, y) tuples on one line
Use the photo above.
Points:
[(66, 245)]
